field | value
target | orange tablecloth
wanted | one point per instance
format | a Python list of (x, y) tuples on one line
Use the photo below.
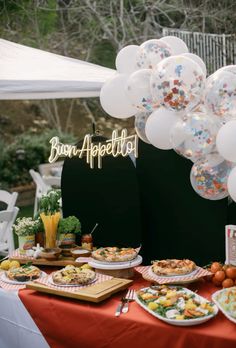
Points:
[(69, 323)]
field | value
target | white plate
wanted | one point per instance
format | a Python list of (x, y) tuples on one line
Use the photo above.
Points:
[(186, 322), (5, 279), (214, 299), (50, 280), (116, 265)]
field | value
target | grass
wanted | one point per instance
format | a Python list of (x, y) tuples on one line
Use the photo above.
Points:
[(26, 211)]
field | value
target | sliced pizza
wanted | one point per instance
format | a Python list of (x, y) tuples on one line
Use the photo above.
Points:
[(173, 267), (71, 275), (24, 273), (114, 254)]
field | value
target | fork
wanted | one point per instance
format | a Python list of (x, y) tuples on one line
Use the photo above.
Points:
[(130, 296)]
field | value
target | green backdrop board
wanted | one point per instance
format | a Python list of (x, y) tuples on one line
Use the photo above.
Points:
[(107, 196), (177, 223)]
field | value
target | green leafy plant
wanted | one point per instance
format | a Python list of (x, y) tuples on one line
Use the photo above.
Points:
[(50, 203), (38, 226), (71, 224), (24, 226)]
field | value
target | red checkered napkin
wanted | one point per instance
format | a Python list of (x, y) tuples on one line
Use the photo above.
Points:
[(146, 271)]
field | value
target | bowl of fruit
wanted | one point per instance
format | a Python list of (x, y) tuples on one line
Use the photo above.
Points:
[(223, 275)]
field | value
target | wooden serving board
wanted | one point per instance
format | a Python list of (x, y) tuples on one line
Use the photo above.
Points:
[(94, 293), (61, 261)]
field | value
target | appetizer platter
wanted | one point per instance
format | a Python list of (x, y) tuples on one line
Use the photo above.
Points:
[(116, 262), (176, 305), (226, 301), (173, 271), (22, 275), (80, 283), (45, 258), (173, 267)]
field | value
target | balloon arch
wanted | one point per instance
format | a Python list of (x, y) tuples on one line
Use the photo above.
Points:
[(177, 107)]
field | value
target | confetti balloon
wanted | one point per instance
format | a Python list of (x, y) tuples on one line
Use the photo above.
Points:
[(140, 123), (220, 94), (138, 90), (151, 52), (178, 83), (209, 176), (197, 60), (194, 136)]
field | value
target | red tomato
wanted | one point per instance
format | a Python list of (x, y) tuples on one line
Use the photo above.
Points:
[(216, 266), (231, 272), (216, 282), (219, 276), (227, 283)]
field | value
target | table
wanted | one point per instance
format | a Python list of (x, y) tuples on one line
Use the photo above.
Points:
[(66, 323), (17, 329)]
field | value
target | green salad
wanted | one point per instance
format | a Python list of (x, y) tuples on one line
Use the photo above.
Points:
[(175, 302)]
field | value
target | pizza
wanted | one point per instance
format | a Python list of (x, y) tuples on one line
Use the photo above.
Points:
[(24, 273), (71, 275), (114, 254), (173, 267)]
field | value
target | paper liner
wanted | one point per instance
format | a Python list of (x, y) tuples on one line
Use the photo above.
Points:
[(9, 287), (100, 278), (146, 272)]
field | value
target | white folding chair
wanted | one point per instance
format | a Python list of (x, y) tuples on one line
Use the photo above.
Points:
[(41, 188), (9, 199), (54, 181), (7, 219)]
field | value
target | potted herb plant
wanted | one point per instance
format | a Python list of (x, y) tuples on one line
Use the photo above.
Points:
[(24, 228), (49, 209), (67, 229)]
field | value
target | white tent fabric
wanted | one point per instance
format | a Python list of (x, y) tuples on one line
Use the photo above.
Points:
[(29, 73)]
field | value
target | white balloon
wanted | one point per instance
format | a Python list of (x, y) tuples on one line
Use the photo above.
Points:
[(151, 52), (232, 184), (196, 59), (114, 100), (139, 91), (177, 45), (126, 59), (226, 141), (158, 128)]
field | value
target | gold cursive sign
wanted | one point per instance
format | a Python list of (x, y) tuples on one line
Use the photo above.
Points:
[(122, 145)]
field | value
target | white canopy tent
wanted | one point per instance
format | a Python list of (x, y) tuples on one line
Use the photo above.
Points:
[(29, 73)]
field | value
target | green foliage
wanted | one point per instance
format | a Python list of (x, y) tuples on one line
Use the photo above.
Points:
[(103, 53), (27, 152), (50, 203), (71, 224)]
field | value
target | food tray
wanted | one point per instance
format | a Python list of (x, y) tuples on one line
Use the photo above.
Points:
[(92, 293)]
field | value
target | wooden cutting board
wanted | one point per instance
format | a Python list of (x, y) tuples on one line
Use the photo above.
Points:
[(93, 293), (61, 261)]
